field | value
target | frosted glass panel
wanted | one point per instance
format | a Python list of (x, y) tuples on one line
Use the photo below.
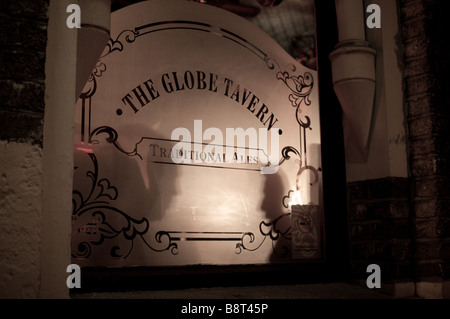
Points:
[(193, 136)]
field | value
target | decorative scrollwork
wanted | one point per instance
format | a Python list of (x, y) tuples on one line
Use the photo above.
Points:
[(270, 62), (106, 222), (302, 169), (112, 139), (99, 69), (241, 244), (169, 244), (286, 198), (90, 88), (117, 44), (84, 250), (271, 230), (99, 190), (301, 87), (285, 153)]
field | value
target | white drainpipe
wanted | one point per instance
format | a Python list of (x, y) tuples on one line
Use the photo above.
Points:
[(353, 69)]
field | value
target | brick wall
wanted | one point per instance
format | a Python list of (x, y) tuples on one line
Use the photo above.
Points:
[(380, 228), (427, 69), (403, 224), (23, 40)]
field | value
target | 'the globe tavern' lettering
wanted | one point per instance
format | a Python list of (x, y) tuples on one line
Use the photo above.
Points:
[(172, 82)]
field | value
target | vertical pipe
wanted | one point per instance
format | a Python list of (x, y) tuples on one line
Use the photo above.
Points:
[(353, 68), (71, 55), (350, 20)]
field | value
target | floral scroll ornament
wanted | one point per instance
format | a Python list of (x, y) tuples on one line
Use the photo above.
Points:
[(117, 45), (96, 220), (274, 230), (301, 87)]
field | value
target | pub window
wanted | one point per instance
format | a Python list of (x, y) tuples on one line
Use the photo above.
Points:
[(198, 144)]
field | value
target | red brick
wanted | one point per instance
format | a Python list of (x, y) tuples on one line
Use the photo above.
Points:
[(412, 10), (398, 229), (429, 249), (430, 165), (30, 9), (359, 232), (417, 65), (434, 207), (445, 251), (21, 127), (415, 28), (390, 209), (358, 190), (420, 84), (23, 34), (22, 95), (359, 212), (434, 186), (432, 145), (393, 187), (424, 104), (429, 270), (428, 124), (432, 228), (26, 65)]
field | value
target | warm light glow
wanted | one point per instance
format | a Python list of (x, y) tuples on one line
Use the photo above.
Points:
[(85, 148), (296, 200)]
